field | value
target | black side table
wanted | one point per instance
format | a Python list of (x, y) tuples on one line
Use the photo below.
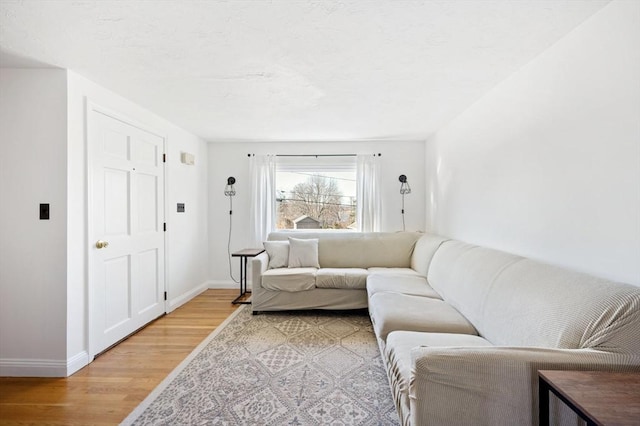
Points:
[(244, 254)]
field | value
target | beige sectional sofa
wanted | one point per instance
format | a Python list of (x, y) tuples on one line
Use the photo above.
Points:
[(464, 329), (344, 261)]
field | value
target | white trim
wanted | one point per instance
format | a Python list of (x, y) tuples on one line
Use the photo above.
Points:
[(226, 284), (88, 126), (165, 220), (175, 303), (91, 105), (77, 362), (33, 368)]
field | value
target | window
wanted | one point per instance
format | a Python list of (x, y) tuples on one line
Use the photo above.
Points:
[(363, 171), (316, 192)]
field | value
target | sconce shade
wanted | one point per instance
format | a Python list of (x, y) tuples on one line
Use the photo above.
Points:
[(229, 189), (404, 186)]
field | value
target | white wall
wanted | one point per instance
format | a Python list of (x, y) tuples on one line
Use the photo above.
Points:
[(33, 255), (230, 159), (187, 233), (43, 264), (186, 238), (547, 164)]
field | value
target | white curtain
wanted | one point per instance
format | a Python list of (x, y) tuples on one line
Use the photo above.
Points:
[(368, 193), (263, 197)]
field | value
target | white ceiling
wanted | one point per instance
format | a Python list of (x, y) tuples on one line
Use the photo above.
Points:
[(300, 70)]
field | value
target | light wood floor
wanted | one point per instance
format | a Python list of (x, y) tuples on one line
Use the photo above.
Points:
[(108, 389)]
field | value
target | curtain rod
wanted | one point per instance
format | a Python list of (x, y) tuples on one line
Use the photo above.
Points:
[(317, 155)]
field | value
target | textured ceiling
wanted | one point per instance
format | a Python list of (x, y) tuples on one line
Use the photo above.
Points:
[(310, 70)]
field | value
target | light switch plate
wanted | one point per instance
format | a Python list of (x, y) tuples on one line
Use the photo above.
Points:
[(44, 211)]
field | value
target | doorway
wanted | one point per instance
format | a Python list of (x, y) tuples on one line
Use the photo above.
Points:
[(126, 228)]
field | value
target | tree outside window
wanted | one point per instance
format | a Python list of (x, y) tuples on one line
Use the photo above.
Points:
[(316, 200)]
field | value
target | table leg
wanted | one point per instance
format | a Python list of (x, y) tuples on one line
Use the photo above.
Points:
[(245, 276), (543, 402), (544, 388), (243, 282)]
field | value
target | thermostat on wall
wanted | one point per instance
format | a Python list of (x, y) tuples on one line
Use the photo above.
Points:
[(186, 158)]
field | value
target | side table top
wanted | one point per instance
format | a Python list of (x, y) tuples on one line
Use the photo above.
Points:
[(248, 252), (608, 397)]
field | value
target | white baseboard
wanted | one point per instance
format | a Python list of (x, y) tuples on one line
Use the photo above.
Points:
[(65, 368), (43, 367), (184, 298), (33, 368), (77, 362), (217, 284)]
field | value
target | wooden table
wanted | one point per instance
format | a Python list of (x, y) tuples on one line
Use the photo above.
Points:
[(244, 254), (598, 397)]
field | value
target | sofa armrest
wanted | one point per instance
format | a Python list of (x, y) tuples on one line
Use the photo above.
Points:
[(259, 265), (492, 385)]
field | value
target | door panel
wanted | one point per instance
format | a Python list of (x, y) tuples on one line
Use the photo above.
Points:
[(116, 214), (115, 144), (144, 152), (117, 272), (126, 277), (148, 261), (147, 190)]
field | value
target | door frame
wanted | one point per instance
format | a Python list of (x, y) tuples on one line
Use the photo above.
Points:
[(90, 108)]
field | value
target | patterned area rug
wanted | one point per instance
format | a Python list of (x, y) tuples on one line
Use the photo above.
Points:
[(302, 368)]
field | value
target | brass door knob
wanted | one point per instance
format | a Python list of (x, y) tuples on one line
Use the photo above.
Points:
[(101, 244)]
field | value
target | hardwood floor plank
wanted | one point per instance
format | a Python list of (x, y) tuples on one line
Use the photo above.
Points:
[(108, 389)]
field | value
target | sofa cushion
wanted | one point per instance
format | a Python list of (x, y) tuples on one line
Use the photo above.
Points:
[(394, 311), (344, 249), (414, 285), (303, 253), (534, 304), (278, 252), (423, 252), (393, 271), (463, 274), (341, 278), (289, 279), (398, 357)]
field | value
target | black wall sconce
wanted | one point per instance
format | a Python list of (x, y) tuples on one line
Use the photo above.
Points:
[(229, 189), (404, 189)]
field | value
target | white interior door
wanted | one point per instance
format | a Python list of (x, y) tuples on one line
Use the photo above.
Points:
[(126, 246)]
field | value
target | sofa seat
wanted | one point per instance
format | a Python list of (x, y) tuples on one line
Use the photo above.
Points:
[(393, 271), (413, 285), (354, 278), (394, 311), (398, 359), (289, 279)]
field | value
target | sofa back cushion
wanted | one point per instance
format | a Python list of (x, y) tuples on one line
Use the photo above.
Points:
[(535, 304), (463, 275), (425, 248), (513, 301), (358, 249)]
